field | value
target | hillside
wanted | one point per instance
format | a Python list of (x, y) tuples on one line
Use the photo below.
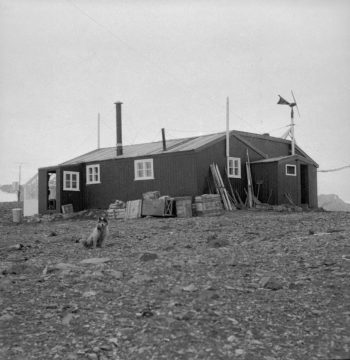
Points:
[(332, 202)]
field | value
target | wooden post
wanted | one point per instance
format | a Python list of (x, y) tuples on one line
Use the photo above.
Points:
[(292, 131), (227, 127), (98, 131)]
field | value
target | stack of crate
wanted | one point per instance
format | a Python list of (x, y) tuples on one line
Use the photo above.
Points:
[(116, 210), (209, 205)]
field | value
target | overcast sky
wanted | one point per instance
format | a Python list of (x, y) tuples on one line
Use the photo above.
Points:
[(172, 64)]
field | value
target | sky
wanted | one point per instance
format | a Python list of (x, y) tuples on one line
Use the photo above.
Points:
[(172, 64)]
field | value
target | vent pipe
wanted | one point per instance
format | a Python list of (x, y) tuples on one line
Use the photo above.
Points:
[(163, 137), (119, 148)]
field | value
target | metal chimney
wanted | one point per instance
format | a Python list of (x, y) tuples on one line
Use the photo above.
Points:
[(163, 138), (118, 106)]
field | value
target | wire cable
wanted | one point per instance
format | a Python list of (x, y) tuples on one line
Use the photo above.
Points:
[(336, 169)]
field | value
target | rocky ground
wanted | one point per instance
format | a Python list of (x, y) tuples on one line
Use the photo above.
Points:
[(258, 285)]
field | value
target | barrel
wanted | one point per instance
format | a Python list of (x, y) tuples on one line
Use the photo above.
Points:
[(183, 206), (17, 215)]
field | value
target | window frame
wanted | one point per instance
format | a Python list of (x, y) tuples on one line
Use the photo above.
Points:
[(93, 181), (238, 167), (70, 173), (137, 170), (291, 166)]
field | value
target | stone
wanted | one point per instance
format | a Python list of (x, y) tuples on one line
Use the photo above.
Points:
[(271, 283), (148, 257), (116, 274), (95, 261), (190, 288), (6, 317), (89, 293)]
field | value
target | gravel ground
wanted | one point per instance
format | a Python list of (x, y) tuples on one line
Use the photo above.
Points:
[(244, 285)]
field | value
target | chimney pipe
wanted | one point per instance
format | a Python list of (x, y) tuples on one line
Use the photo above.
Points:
[(163, 137), (118, 106)]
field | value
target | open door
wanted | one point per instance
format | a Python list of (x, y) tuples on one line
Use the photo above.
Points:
[(304, 184), (51, 191)]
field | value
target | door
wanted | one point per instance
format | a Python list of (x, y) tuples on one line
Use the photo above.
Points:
[(304, 184)]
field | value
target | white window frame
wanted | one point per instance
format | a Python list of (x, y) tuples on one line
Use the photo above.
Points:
[(291, 166), (140, 169), (70, 187), (234, 167), (94, 177)]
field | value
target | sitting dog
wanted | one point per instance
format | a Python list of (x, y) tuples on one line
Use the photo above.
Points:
[(98, 235)]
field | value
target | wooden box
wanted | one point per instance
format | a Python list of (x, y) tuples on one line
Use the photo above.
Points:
[(183, 206), (157, 207), (209, 205)]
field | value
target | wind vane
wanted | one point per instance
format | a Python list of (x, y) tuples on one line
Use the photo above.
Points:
[(290, 131)]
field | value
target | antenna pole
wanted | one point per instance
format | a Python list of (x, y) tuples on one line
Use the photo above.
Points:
[(292, 130), (227, 127), (19, 185), (98, 131)]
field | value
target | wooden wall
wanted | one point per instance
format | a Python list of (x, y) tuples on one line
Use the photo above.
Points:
[(174, 175)]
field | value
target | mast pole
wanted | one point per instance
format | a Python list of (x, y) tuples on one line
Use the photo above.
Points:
[(227, 128), (98, 131), (292, 130)]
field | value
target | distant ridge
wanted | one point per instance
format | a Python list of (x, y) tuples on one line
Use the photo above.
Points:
[(332, 202)]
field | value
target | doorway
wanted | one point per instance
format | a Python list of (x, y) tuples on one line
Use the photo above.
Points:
[(304, 184), (51, 190)]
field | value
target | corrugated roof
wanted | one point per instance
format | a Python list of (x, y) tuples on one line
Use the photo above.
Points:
[(284, 158), (154, 148), (173, 145)]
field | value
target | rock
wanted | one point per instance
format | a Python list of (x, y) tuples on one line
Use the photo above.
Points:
[(95, 261), (89, 293), (106, 347), (271, 283), (67, 319), (217, 242), (239, 352), (6, 317), (116, 274), (138, 278), (16, 247), (92, 356), (62, 266), (233, 338), (114, 341), (148, 257), (190, 288), (71, 356)]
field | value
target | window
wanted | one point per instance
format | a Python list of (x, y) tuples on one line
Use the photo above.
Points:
[(144, 169), (234, 167), (93, 174), (71, 180), (291, 170)]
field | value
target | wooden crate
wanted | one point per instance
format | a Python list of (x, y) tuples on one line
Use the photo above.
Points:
[(158, 207), (183, 206), (209, 205), (133, 209)]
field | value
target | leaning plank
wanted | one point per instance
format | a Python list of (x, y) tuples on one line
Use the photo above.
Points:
[(289, 198), (220, 187)]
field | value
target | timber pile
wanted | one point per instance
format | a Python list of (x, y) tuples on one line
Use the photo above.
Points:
[(220, 188)]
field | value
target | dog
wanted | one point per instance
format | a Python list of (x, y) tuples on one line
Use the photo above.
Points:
[(98, 235)]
